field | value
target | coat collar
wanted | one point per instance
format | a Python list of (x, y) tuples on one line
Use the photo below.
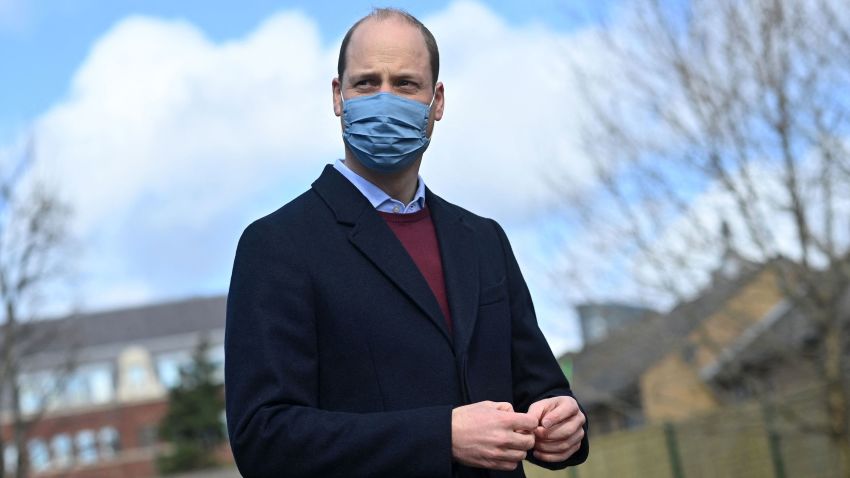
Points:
[(374, 239)]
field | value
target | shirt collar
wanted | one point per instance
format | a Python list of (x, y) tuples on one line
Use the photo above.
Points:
[(378, 198)]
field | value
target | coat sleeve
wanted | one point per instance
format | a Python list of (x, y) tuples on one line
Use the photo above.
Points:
[(275, 423), (536, 373)]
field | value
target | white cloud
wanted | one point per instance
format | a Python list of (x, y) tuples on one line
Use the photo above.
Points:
[(509, 112), (165, 139), (158, 114), (168, 144)]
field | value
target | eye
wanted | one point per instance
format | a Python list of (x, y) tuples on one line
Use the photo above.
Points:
[(365, 82)]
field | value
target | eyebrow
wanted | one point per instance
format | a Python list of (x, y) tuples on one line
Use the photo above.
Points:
[(405, 74)]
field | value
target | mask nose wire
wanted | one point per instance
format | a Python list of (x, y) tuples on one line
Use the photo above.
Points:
[(431, 104)]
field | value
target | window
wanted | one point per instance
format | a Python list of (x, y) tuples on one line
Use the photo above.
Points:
[(86, 447), (168, 368), (136, 375), (101, 383), (76, 392), (109, 442), (10, 458), (39, 455), (63, 452), (597, 328), (147, 436), (37, 389), (90, 384)]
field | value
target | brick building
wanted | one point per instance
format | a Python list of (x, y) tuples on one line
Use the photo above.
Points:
[(98, 386), (737, 340)]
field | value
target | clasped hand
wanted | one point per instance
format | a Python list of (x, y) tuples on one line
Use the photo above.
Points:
[(491, 435)]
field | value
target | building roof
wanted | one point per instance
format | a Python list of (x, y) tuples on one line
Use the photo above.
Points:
[(99, 335), (785, 334), (608, 370)]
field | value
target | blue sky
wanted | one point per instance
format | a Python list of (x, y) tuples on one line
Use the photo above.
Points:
[(169, 126)]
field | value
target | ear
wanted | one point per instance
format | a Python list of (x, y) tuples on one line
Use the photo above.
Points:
[(336, 89), (439, 101)]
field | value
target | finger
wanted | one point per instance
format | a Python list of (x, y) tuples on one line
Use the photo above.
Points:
[(560, 446), (550, 457), (520, 441), (554, 457), (560, 431), (566, 442), (523, 422), (559, 455), (503, 406), (511, 455), (554, 446), (537, 409), (562, 409)]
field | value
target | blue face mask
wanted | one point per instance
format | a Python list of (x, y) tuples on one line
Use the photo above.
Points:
[(386, 132)]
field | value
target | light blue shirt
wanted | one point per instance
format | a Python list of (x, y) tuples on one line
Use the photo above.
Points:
[(379, 199)]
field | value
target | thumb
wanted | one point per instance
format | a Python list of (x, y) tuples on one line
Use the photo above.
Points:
[(538, 410)]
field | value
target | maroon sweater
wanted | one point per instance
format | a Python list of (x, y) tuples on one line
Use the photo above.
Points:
[(416, 232)]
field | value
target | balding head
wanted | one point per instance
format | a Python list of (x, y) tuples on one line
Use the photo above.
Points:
[(393, 14)]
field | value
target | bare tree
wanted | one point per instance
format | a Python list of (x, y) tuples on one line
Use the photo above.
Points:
[(33, 243), (736, 112)]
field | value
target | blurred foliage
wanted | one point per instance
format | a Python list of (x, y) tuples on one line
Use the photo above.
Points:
[(192, 426)]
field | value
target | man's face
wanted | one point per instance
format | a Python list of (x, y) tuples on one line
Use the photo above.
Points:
[(389, 56)]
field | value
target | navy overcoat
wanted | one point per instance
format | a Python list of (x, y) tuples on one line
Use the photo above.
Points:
[(338, 361)]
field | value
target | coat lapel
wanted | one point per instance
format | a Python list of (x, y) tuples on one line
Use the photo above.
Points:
[(460, 268), (374, 239)]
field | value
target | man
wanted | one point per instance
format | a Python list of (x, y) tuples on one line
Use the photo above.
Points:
[(374, 329)]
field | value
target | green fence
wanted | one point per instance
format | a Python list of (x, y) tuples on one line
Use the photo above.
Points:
[(752, 441)]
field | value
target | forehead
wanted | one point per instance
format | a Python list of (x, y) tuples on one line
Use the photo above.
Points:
[(391, 42)]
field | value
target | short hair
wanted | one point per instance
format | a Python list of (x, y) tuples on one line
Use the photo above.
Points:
[(384, 14)]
